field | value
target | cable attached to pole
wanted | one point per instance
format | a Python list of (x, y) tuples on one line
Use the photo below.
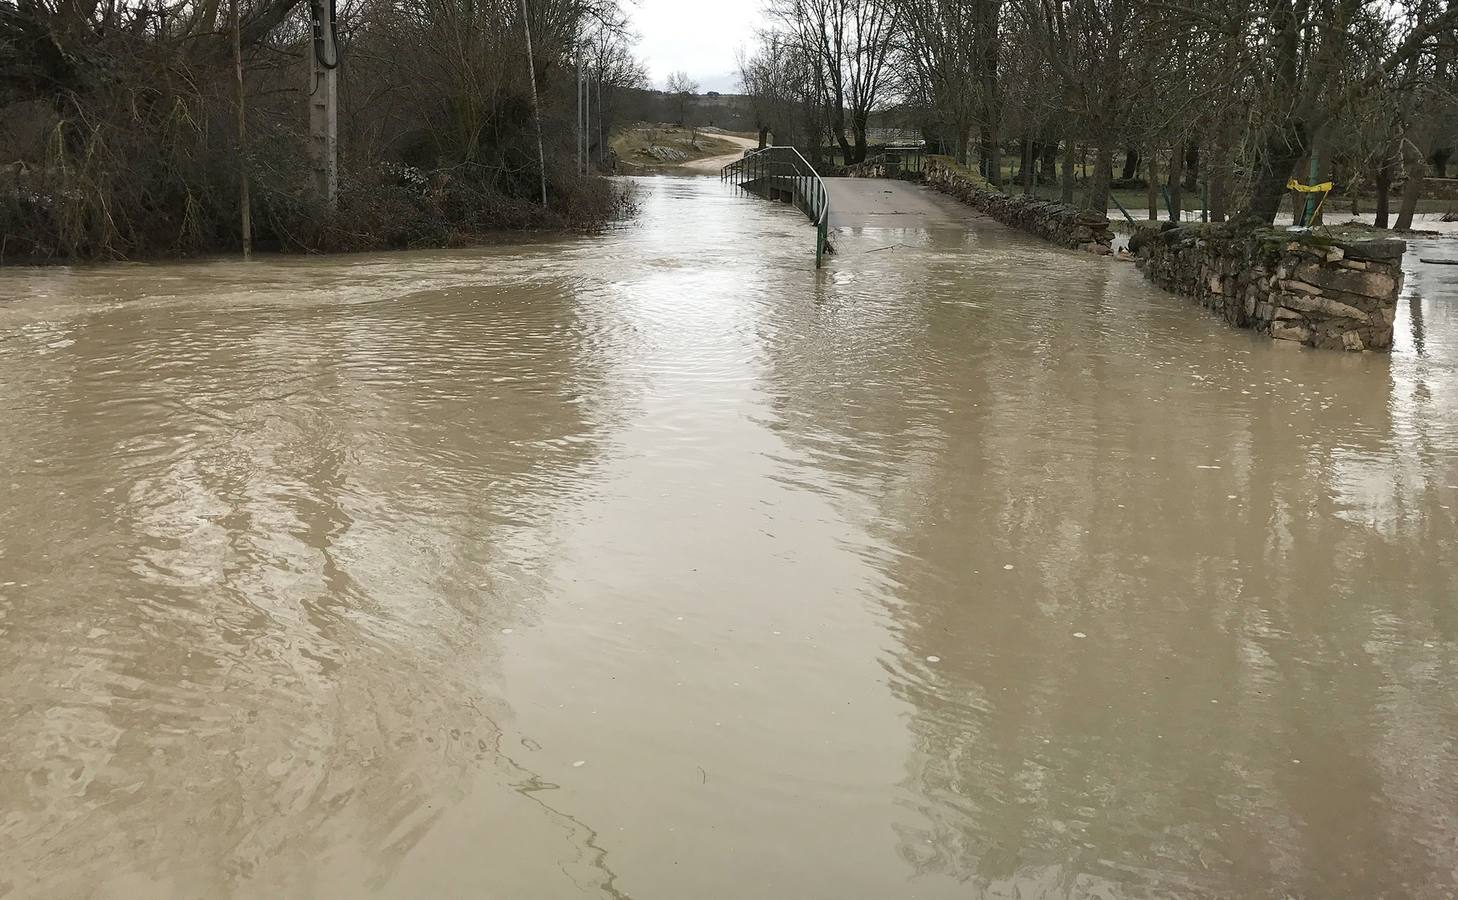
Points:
[(316, 12)]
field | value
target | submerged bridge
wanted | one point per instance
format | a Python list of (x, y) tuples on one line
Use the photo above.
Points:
[(782, 174)]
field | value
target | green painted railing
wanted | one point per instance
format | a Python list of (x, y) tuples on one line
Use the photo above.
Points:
[(781, 173)]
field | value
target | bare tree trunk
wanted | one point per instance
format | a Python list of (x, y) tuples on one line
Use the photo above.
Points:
[(1285, 139), (847, 152), (1098, 185), (1068, 167), (1026, 175), (859, 125), (1276, 159), (986, 72), (1219, 168), (1412, 190), (837, 127), (1131, 164), (245, 203), (1152, 186), (994, 157), (1176, 184), (1382, 181), (1318, 205), (526, 25)]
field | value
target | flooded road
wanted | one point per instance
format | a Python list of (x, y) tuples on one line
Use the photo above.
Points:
[(658, 565)]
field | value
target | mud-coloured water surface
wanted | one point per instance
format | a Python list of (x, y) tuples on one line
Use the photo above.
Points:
[(658, 565)]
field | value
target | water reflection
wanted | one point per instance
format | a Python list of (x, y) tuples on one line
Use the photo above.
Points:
[(253, 626), (659, 565), (1185, 591)]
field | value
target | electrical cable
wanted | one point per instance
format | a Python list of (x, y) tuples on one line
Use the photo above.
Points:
[(316, 12)]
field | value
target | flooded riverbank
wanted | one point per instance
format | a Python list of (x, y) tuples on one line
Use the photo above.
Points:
[(658, 565)]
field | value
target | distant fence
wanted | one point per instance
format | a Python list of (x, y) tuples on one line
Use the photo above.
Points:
[(893, 162)]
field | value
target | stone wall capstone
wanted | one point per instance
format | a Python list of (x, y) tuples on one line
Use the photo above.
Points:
[(1058, 223), (1333, 291)]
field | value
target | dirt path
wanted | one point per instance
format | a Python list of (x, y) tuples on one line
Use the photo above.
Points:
[(712, 164)]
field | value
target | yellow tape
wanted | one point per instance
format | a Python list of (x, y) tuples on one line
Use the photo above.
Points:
[(1324, 187)]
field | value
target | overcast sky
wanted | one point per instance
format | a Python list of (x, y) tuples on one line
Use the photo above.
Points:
[(696, 36)]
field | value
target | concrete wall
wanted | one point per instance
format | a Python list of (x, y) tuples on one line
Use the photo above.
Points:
[(1337, 292), (1058, 223)]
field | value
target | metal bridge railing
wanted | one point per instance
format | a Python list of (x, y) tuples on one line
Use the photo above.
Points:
[(781, 173)]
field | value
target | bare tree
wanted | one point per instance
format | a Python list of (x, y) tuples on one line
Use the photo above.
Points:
[(682, 89), (939, 49), (848, 43), (129, 126), (772, 77)]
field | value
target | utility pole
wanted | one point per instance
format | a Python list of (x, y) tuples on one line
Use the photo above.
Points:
[(526, 26), (244, 203), (324, 102)]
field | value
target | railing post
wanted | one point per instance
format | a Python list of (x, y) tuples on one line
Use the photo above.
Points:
[(780, 169)]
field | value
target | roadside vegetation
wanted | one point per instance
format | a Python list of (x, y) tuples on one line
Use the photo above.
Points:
[(1217, 104), (120, 139)]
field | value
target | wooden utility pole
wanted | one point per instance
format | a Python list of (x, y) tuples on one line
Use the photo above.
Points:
[(324, 103), (244, 203), (526, 25)]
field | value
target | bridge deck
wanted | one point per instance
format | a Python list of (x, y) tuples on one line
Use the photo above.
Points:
[(883, 203)]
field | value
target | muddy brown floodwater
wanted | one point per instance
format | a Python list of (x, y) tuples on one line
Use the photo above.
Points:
[(658, 565)]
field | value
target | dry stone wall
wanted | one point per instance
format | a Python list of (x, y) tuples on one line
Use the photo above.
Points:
[(1338, 292), (1058, 223)]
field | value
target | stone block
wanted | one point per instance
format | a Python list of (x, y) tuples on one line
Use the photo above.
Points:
[(1286, 331), (1377, 248), (1326, 306), (1299, 287), (1370, 284)]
